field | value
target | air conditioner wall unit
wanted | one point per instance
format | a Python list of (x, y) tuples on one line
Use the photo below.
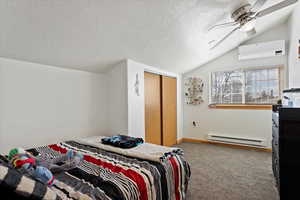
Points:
[(262, 50)]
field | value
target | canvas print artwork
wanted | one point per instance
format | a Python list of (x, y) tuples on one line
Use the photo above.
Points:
[(193, 90)]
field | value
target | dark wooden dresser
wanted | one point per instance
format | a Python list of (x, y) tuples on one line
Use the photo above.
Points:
[(286, 151)]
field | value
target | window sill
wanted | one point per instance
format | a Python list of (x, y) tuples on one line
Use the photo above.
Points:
[(240, 106)]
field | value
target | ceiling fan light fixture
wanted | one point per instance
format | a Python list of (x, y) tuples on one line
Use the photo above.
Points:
[(248, 26), (251, 32)]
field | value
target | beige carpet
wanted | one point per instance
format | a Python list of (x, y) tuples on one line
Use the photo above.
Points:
[(221, 173)]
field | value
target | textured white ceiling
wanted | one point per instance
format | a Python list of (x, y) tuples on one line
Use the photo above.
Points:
[(93, 35)]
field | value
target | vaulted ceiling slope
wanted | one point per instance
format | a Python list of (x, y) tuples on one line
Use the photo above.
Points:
[(93, 35)]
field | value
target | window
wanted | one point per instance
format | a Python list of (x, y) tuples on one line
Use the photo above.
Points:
[(253, 86)]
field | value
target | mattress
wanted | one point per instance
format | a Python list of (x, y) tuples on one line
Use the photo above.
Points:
[(108, 173)]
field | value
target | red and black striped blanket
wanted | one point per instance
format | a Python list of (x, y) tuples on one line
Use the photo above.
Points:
[(109, 175)]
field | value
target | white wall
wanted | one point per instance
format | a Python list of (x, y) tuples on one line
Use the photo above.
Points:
[(117, 99), (293, 60), (136, 103), (42, 104), (241, 123)]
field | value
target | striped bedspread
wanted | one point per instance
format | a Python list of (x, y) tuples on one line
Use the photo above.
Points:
[(15, 185), (109, 175)]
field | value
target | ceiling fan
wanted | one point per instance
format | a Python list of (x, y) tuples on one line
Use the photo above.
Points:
[(245, 16)]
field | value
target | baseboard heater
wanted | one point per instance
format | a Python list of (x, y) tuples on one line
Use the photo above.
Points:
[(236, 140)]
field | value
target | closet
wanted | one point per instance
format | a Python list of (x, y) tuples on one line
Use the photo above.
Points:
[(160, 109)]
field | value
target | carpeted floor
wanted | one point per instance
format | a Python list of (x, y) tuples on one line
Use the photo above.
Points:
[(221, 173)]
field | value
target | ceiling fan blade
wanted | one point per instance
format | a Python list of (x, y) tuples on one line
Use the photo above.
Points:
[(222, 25), (276, 7), (257, 5), (225, 37)]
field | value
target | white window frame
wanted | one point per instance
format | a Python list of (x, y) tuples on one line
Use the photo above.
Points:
[(280, 82)]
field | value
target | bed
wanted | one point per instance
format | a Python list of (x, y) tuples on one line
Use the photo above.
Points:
[(144, 172)]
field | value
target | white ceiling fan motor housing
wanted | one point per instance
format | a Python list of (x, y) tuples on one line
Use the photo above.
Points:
[(241, 12)]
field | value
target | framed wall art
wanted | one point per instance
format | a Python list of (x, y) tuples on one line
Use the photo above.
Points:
[(193, 90)]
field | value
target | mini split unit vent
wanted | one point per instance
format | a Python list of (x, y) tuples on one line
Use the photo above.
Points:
[(262, 50)]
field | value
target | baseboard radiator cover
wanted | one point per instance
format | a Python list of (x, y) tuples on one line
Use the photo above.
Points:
[(236, 140)]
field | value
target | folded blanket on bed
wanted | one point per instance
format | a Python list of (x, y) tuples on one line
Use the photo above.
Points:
[(122, 141), (145, 151)]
